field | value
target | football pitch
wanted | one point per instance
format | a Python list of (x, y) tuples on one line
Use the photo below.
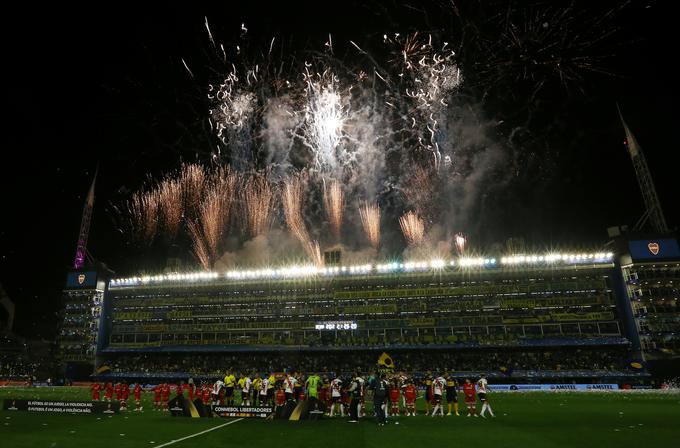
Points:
[(541, 419)]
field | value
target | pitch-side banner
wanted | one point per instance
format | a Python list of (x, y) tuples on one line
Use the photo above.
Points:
[(243, 411), (526, 387), (61, 407)]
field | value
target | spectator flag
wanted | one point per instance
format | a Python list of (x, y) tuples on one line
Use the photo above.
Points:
[(385, 361)]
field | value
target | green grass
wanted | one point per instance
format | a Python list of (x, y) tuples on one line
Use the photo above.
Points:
[(542, 419)]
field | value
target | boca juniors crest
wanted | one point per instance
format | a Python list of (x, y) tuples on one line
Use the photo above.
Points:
[(653, 248)]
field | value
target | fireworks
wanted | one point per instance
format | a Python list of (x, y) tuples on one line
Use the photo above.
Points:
[(420, 190), (535, 45), (234, 113), (200, 249), (324, 118), (211, 218), (334, 202), (460, 241), (370, 221), (430, 77), (143, 211), (413, 228), (171, 206), (257, 198), (193, 182), (292, 198)]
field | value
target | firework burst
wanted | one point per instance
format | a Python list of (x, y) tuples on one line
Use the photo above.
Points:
[(370, 221), (460, 241), (199, 244), (413, 228), (193, 180), (211, 218), (143, 211), (292, 198), (334, 202), (324, 117), (420, 190), (171, 206), (430, 78), (257, 198)]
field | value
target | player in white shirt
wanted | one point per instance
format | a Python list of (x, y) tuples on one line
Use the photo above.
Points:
[(438, 386), (290, 383), (245, 384), (216, 389), (403, 382), (336, 396), (361, 411), (482, 391), (264, 387)]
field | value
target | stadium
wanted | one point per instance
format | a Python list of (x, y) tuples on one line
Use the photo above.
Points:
[(350, 224), (564, 339)]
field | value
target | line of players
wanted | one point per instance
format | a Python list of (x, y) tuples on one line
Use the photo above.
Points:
[(121, 391), (402, 395), (277, 389)]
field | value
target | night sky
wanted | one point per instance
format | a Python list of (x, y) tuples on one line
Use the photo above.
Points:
[(107, 86)]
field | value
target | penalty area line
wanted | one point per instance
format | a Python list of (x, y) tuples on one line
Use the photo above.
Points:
[(199, 433)]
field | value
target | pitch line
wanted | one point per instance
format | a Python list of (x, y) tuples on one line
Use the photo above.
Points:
[(199, 433)]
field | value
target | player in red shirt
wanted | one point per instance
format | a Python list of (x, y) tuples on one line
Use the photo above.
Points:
[(394, 398), (470, 399), (326, 389), (118, 389), (410, 394), (157, 390), (165, 393), (108, 395), (96, 387), (125, 390), (280, 397), (205, 395), (138, 397), (189, 388)]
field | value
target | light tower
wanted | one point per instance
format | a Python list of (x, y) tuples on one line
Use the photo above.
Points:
[(81, 250), (653, 210)]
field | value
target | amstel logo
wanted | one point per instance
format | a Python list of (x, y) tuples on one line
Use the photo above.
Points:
[(81, 278), (653, 248)]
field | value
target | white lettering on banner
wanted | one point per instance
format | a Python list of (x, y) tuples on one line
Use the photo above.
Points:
[(243, 409), (552, 387)]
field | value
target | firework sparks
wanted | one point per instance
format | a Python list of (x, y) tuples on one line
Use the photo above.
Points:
[(171, 206), (370, 221), (193, 181), (257, 198), (211, 217), (143, 211), (199, 245), (324, 118), (420, 190), (234, 113), (413, 228), (334, 201), (430, 77), (292, 198), (223, 183), (460, 241)]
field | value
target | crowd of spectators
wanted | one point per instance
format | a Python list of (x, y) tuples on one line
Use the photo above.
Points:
[(504, 362), (23, 360)]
